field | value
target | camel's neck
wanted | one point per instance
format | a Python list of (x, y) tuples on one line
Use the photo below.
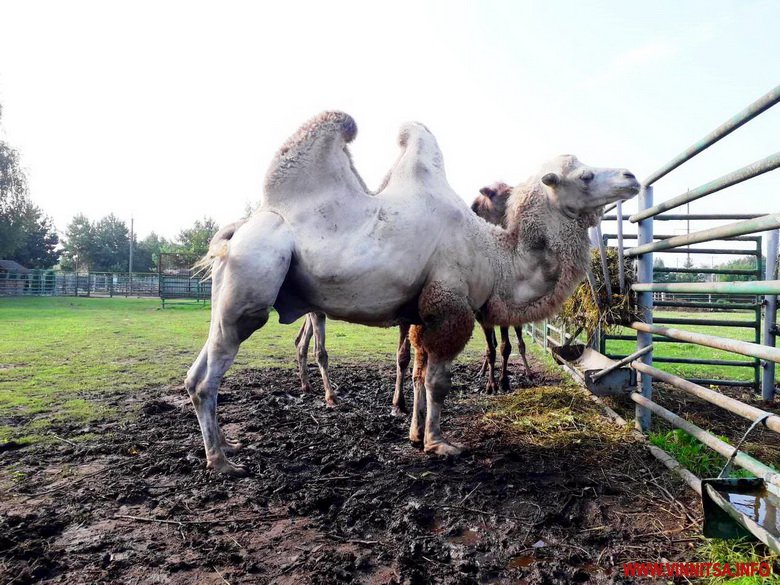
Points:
[(547, 256)]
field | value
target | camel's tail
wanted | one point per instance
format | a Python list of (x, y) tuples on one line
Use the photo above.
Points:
[(218, 248)]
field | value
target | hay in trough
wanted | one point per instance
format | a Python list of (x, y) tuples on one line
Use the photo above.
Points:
[(581, 309)]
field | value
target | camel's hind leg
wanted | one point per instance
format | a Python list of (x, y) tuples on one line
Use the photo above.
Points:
[(302, 351), (402, 358), (506, 351), (318, 325), (203, 381), (246, 279), (490, 359)]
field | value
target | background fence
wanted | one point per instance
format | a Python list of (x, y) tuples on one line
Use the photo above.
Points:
[(176, 285)]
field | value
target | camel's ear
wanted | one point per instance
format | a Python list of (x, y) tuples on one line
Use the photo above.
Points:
[(487, 192), (551, 179)]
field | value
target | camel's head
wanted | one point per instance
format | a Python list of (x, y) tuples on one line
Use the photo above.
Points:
[(491, 202), (578, 190), (497, 192)]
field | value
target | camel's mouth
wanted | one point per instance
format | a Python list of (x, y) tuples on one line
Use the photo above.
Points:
[(623, 192)]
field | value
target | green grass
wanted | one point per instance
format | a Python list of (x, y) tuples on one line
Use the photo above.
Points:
[(729, 551), (619, 347), (693, 454), (60, 355)]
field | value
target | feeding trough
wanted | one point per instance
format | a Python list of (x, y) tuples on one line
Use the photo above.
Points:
[(595, 371), (741, 507)]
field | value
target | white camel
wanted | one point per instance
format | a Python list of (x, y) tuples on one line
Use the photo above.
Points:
[(490, 205), (414, 253)]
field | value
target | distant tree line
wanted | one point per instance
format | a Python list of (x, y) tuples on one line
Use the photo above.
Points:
[(28, 235), (104, 245), (741, 263)]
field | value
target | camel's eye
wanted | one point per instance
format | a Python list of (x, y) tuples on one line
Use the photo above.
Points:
[(587, 176)]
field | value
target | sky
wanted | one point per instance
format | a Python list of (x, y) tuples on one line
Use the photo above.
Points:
[(171, 111)]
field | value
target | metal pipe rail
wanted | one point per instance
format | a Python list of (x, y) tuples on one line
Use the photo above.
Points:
[(742, 459), (695, 216), (707, 322), (751, 413), (703, 362), (756, 287), (668, 236), (702, 305), (731, 271), (762, 104), (710, 251), (750, 226), (747, 348), (755, 169)]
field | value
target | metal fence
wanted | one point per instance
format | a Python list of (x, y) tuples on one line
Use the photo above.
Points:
[(178, 284), (759, 292)]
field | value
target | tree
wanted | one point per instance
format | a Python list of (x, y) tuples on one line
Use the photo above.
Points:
[(743, 263), (661, 276), (112, 245), (79, 244), (37, 247), (689, 276), (146, 253), (195, 240), (26, 233)]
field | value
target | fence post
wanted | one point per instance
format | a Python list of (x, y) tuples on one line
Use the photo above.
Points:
[(770, 319), (645, 306), (757, 364)]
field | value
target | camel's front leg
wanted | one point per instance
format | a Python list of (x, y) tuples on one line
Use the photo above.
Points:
[(318, 322), (437, 386), (521, 349), (402, 358), (448, 323)]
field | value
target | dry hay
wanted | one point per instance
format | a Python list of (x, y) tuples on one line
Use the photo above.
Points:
[(554, 417), (580, 309)]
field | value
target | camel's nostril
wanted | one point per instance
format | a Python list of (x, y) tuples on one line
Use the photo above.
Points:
[(628, 175)]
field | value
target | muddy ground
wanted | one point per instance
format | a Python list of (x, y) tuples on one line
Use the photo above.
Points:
[(334, 495)]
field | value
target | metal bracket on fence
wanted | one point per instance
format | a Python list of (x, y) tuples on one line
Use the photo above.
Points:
[(729, 463)]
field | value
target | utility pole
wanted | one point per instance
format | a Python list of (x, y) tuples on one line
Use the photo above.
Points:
[(688, 228), (130, 264)]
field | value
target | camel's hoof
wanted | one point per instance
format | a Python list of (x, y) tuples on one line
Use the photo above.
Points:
[(331, 402), (505, 386), (227, 468), (398, 411), (443, 449), (416, 438), (490, 388), (232, 446)]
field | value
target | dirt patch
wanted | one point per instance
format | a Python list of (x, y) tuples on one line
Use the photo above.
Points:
[(335, 495)]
